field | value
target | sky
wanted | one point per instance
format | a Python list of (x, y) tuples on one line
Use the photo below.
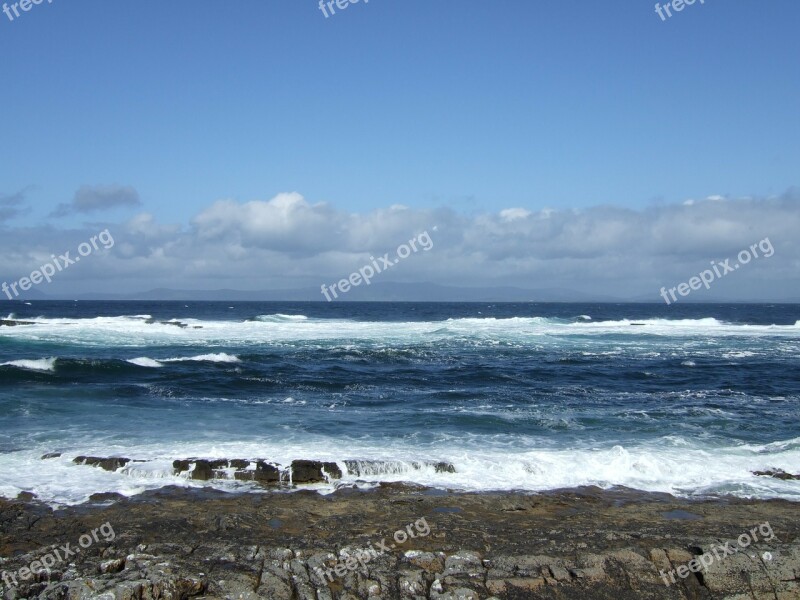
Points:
[(591, 146)]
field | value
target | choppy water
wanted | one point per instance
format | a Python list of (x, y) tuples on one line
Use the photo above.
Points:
[(685, 399)]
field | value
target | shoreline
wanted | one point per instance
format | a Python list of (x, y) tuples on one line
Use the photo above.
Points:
[(579, 543)]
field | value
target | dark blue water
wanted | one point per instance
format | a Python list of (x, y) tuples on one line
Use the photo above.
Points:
[(687, 399)]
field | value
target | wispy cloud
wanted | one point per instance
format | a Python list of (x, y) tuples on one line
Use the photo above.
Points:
[(97, 198), (10, 205)]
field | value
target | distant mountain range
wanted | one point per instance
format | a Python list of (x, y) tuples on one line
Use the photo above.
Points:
[(383, 292)]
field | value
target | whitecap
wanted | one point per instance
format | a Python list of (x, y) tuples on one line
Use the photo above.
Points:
[(43, 364)]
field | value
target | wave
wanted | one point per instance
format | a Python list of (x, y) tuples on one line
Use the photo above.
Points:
[(141, 330), (143, 361), (79, 366), (220, 357), (279, 318), (43, 364)]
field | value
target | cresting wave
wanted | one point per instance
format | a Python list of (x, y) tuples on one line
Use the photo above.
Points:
[(220, 357), (44, 364)]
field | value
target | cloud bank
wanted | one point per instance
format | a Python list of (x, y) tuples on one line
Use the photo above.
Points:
[(289, 242)]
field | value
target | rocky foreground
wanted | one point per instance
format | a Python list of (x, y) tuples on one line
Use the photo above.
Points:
[(400, 542)]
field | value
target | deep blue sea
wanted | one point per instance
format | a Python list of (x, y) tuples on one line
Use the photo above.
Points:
[(686, 399)]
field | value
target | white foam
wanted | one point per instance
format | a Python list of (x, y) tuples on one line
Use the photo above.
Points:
[(43, 364), (143, 361), (218, 358), (137, 331), (672, 464), (280, 318)]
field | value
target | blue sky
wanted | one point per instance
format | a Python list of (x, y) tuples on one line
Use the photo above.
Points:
[(467, 106)]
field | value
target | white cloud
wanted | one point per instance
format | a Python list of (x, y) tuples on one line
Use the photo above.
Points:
[(287, 242), (512, 214)]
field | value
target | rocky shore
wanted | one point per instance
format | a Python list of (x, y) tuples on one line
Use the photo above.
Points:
[(582, 544)]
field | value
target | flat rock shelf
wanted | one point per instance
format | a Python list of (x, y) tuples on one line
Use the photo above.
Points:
[(584, 543)]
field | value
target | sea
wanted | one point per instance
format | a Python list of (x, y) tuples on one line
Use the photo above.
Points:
[(686, 399)]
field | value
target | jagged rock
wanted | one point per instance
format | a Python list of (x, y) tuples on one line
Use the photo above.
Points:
[(462, 567), (112, 566), (272, 586), (108, 464), (427, 561)]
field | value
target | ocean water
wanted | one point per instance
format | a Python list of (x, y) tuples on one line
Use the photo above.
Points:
[(685, 399)]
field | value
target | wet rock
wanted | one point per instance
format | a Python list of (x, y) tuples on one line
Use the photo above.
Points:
[(263, 473), (203, 471), (181, 466), (444, 467), (777, 474), (378, 467), (311, 471), (207, 470), (51, 455), (14, 323), (108, 464), (106, 497), (173, 323)]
